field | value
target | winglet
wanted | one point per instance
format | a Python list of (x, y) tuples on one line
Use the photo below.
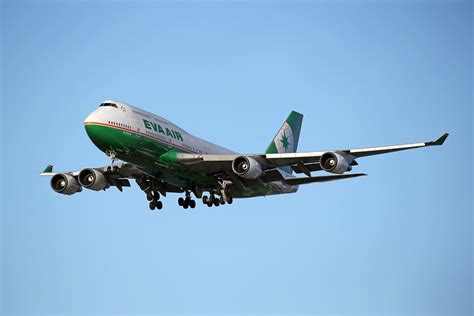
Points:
[(440, 141), (48, 169)]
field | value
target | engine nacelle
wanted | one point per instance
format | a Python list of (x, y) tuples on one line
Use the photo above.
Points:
[(93, 180), (246, 167), (335, 162), (65, 184)]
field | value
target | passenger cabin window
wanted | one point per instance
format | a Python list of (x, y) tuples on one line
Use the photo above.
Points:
[(109, 104)]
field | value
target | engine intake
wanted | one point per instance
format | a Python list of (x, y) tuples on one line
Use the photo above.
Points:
[(335, 163), (65, 184), (246, 167), (93, 179)]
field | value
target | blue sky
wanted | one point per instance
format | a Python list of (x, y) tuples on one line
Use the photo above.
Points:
[(396, 242)]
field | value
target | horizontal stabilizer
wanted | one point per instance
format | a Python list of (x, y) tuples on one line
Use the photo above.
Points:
[(49, 168), (298, 181), (48, 171)]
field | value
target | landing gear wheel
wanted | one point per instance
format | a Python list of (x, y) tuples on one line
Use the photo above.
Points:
[(149, 196), (209, 204), (152, 205), (181, 201), (230, 199), (205, 199), (221, 200), (192, 204), (156, 195), (185, 205), (216, 202), (159, 205)]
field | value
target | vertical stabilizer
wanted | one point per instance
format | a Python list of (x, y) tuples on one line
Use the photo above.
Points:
[(286, 140)]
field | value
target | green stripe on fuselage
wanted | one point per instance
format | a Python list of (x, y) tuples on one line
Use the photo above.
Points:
[(159, 159), (145, 151)]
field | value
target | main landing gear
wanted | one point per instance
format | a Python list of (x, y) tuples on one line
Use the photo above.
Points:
[(187, 201), (155, 189), (152, 189), (154, 198), (212, 200)]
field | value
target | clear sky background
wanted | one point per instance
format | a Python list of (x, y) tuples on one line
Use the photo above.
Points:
[(396, 242)]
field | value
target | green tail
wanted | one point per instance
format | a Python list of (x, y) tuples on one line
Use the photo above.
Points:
[(286, 140)]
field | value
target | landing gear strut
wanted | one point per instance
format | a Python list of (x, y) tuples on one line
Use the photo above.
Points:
[(113, 169)]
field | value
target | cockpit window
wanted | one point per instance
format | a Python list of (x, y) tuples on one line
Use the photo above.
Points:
[(109, 104)]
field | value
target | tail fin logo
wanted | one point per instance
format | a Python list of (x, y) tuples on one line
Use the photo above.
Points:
[(284, 141)]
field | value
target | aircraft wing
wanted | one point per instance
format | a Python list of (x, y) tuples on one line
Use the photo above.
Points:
[(125, 170), (311, 157), (118, 176), (303, 162)]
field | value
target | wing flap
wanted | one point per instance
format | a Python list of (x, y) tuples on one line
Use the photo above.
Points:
[(272, 175), (315, 166), (298, 181)]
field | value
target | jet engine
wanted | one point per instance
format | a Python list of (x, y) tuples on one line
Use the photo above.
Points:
[(93, 179), (246, 167), (65, 184), (335, 162)]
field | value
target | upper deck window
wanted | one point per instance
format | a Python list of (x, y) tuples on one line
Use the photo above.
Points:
[(109, 104)]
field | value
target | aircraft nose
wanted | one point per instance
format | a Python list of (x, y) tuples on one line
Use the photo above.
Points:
[(90, 124), (91, 118)]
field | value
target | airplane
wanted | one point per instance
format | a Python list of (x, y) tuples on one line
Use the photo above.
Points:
[(163, 158)]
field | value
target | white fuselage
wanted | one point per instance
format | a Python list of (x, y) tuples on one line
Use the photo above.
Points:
[(137, 120)]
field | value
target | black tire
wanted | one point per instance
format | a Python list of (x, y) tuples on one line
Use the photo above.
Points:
[(181, 201), (205, 199), (216, 202), (159, 205), (152, 205), (149, 196), (185, 206), (192, 203), (156, 195), (221, 200), (230, 199)]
